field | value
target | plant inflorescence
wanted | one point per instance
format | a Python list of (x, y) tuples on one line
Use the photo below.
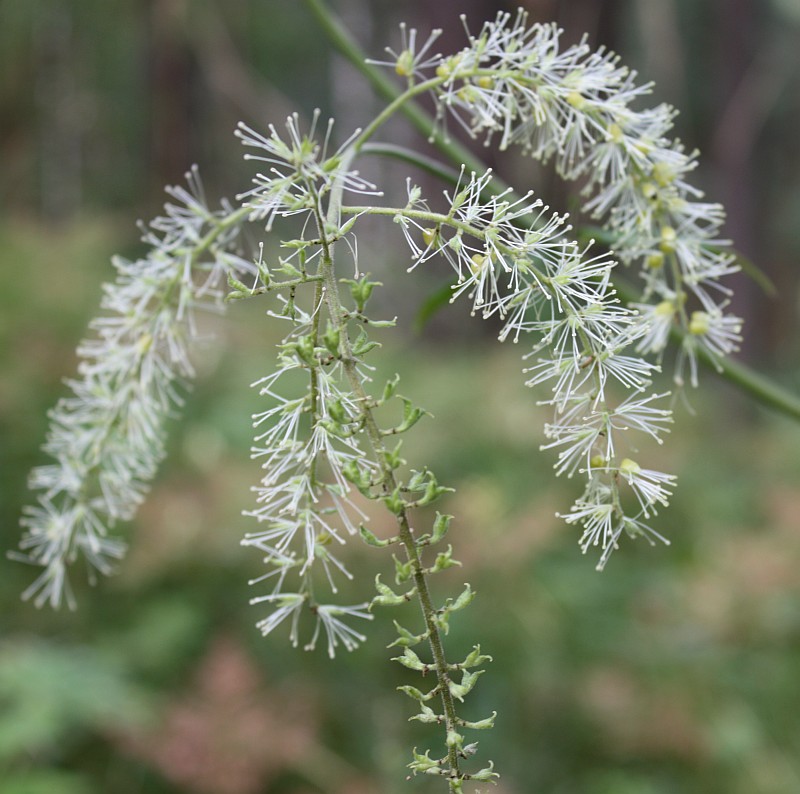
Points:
[(322, 439)]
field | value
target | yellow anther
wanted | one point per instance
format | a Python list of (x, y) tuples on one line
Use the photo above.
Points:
[(664, 309), (699, 323), (576, 99), (629, 467), (668, 239), (663, 174)]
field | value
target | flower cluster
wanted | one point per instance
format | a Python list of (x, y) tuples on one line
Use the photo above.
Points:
[(301, 170), (309, 440), (514, 259), (303, 508), (107, 437), (324, 454), (577, 105)]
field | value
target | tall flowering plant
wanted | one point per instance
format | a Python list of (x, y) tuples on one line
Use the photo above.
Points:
[(322, 441)]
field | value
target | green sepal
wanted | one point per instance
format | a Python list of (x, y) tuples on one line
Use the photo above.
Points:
[(394, 502), (288, 309), (427, 715), (464, 600), (442, 617), (347, 226), (263, 272), (331, 164), (237, 285), (390, 388), (402, 570), (442, 621), (468, 681), (440, 526), (336, 429), (454, 739), (415, 694), (338, 412), (392, 457), (361, 290), (411, 415), (418, 480), (331, 339), (387, 597), (304, 350), (406, 638), (425, 764), (381, 323), (432, 491), (372, 540), (475, 657), (354, 474), (480, 725), (485, 775), (444, 560), (363, 345), (299, 244), (410, 660)]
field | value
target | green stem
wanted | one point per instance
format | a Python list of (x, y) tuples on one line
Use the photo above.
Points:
[(420, 161), (759, 387), (389, 483), (388, 89)]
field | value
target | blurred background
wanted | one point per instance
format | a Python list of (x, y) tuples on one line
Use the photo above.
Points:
[(677, 670)]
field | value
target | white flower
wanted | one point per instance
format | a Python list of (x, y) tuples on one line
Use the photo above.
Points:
[(336, 630), (301, 170), (639, 413), (107, 438), (651, 487), (412, 61), (288, 605)]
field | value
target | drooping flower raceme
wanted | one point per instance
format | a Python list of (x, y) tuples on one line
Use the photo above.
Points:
[(513, 259), (515, 83), (107, 437)]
